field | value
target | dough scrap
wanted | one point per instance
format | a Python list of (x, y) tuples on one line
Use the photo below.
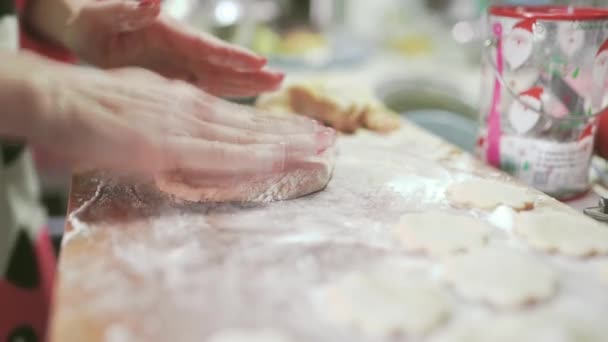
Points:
[(500, 276), (566, 233), (264, 335), (541, 326), (383, 304), (439, 233), (343, 105), (304, 179), (488, 194)]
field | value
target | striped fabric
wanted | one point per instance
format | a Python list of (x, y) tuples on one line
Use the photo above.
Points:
[(26, 254)]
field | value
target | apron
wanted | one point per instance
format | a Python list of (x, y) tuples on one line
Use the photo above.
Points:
[(27, 259)]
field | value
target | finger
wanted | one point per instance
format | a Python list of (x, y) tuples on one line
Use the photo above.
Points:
[(182, 99), (303, 145), (123, 15), (222, 158), (225, 82), (211, 72), (244, 118), (189, 99), (160, 119), (231, 92), (204, 47)]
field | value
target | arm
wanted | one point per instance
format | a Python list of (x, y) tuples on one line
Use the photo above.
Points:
[(17, 95), (119, 33), (125, 126)]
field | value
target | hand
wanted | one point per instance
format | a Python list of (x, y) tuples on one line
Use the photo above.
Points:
[(135, 120), (118, 33)]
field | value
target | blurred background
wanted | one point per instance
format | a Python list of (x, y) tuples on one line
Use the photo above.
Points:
[(421, 57)]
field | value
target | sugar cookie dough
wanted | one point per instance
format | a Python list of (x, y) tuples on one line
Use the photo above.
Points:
[(500, 276), (567, 233), (488, 194), (305, 178), (436, 232), (248, 336), (383, 304), (543, 326)]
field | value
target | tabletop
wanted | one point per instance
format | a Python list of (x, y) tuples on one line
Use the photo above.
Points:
[(138, 265)]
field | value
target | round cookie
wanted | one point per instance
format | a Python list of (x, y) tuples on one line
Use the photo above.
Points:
[(488, 194), (563, 232), (264, 335), (499, 276), (381, 304), (541, 326), (439, 233)]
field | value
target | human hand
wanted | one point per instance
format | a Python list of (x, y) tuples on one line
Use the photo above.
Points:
[(119, 33), (137, 121)]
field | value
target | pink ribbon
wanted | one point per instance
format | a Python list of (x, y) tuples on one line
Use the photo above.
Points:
[(494, 132)]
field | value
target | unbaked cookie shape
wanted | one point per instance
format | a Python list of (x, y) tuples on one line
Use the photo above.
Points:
[(500, 276), (487, 194), (240, 335), (381, 304), (539, 326), (562, 232), (441, 233)]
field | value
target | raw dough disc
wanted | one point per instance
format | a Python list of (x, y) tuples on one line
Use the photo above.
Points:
[(567, 233), (248, 336), (304, 179), (441, 233), (383, 304), (543, 326), (488, 194), (500, 276)]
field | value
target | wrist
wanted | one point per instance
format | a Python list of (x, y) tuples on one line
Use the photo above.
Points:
[(23, 95)]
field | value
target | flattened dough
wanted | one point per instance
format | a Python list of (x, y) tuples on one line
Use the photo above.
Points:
[(439, 233), (382, 304), (563, 232), (303, 179), (500, 276), (541, 326), (249, 336), (488, 194)]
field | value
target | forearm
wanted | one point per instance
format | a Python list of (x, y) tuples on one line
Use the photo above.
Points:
[(19, 101)]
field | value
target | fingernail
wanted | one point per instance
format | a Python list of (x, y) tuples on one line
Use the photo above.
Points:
[(326, 137)]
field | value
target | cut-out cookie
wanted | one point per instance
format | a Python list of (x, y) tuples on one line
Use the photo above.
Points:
[(249, 336), (383, 304), (488, 194), (500, 276), (439, 233), (543, 326), (562, 232)]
